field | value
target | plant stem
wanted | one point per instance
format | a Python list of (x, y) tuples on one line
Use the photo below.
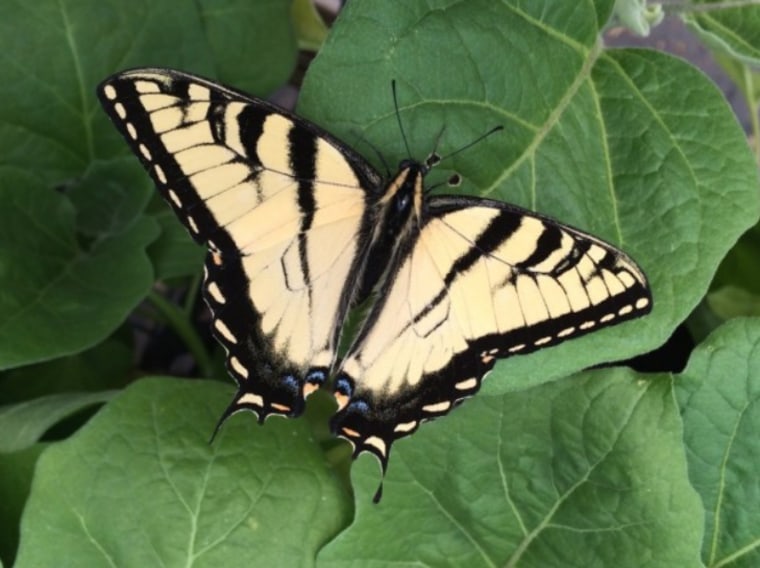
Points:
[(749, 95), (192, 295)]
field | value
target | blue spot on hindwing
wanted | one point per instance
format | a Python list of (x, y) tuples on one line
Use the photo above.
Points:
[(343, 386), (359, 406), (291, 382), (316, 377)]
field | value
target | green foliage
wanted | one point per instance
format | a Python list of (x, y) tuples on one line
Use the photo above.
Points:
[(16, 473), (719, 396), (607, 467), (734, 30), (606, 140), (24, 423), (62, 294), (583, 472), (145, 488)]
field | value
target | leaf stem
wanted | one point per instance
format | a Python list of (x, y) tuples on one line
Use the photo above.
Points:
[(192, 295), (180, 323), (751, 99)]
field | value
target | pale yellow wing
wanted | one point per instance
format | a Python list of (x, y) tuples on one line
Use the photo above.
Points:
[(483, 280), (282, 208)]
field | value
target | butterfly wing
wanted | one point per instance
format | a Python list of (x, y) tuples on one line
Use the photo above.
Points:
[(481, 280), (265, 191)]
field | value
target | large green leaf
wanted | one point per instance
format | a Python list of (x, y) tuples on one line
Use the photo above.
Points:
[(587, 471), (730, 302), (108, 365), (56, 53), (140, 485), (24, 423), (633, 146), (16, 474), (719, 393), (579, 469), (740, 267), (174, 253), (253, 43), (73, 263), (732, 28), (59, 295)]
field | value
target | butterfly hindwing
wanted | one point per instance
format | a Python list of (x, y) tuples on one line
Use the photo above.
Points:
[(264, 190), (482, 280)]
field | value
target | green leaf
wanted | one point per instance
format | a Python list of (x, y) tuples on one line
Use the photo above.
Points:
[(633, 146), (23, 424), (260, 33), (702, 321), (59, 296), (16, 474), (58, 52), (140, 485), (747, 80), (733, 30), (719, 394), (108, 365), (174, 254), (587, 471), (110, 197), (55, 56), (731, 302), (740, 268), (73, 264)]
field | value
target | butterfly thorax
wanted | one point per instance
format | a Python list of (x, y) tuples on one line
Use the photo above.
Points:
[(403, 193), (396, 217)]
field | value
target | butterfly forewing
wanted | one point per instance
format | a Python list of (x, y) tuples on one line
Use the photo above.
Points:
[(264, 191)]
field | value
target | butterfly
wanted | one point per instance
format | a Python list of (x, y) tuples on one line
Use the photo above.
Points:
[(300, 228)]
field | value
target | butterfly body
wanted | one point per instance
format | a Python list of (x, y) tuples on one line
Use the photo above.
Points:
[(300, 228)]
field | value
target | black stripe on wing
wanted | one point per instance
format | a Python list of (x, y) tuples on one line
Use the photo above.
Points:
[(303, 155)]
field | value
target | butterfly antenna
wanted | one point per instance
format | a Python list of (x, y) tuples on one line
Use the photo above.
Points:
[(431, 188), (398, 118), (466, 146)]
